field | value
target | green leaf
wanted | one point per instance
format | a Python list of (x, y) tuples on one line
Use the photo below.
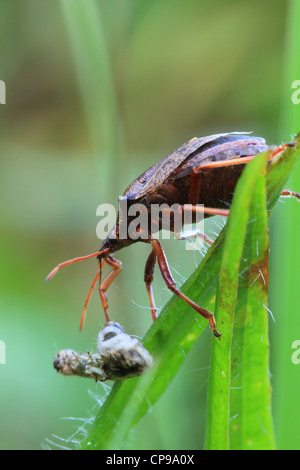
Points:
[(284, 297), (250, 401), (249, 194), (252, 427), (178, 327), (94, 74)]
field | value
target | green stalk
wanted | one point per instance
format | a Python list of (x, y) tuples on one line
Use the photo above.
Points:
[(251, 426), (96, 84), (285, 258), (249, 191)]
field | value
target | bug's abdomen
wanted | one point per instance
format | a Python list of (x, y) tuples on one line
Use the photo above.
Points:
[(217, 186)]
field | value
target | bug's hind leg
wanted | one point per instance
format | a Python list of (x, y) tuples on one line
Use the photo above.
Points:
[(288, 193), (148, 278), (192, 235), (167, 276)]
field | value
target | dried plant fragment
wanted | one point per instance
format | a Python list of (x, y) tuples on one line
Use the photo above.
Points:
[(119, 356)]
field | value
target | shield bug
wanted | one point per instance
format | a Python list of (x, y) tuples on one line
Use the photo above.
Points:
[(202, 171)]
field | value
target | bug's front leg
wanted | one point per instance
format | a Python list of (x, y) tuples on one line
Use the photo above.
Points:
[(167, 276), (104, 285)]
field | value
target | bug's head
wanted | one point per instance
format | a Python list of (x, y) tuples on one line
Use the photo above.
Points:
[(114, 242)]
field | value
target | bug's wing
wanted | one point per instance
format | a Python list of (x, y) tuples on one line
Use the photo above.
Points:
[(157, 174)]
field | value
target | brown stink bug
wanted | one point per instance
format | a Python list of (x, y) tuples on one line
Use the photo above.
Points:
[(202, 171)]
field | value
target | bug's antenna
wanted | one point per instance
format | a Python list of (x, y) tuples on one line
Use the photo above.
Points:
[(74, 260), (90, 293)]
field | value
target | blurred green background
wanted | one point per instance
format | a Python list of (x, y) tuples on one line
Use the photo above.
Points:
[(98, 91)]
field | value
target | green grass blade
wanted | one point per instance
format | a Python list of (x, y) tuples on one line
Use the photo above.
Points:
[(251, 426), (279, 172), (249, 402), (169, 339), (284, 297), (247, 191), (93, 70)]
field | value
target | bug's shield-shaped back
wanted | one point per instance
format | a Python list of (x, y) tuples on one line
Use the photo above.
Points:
[(157, 174)]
